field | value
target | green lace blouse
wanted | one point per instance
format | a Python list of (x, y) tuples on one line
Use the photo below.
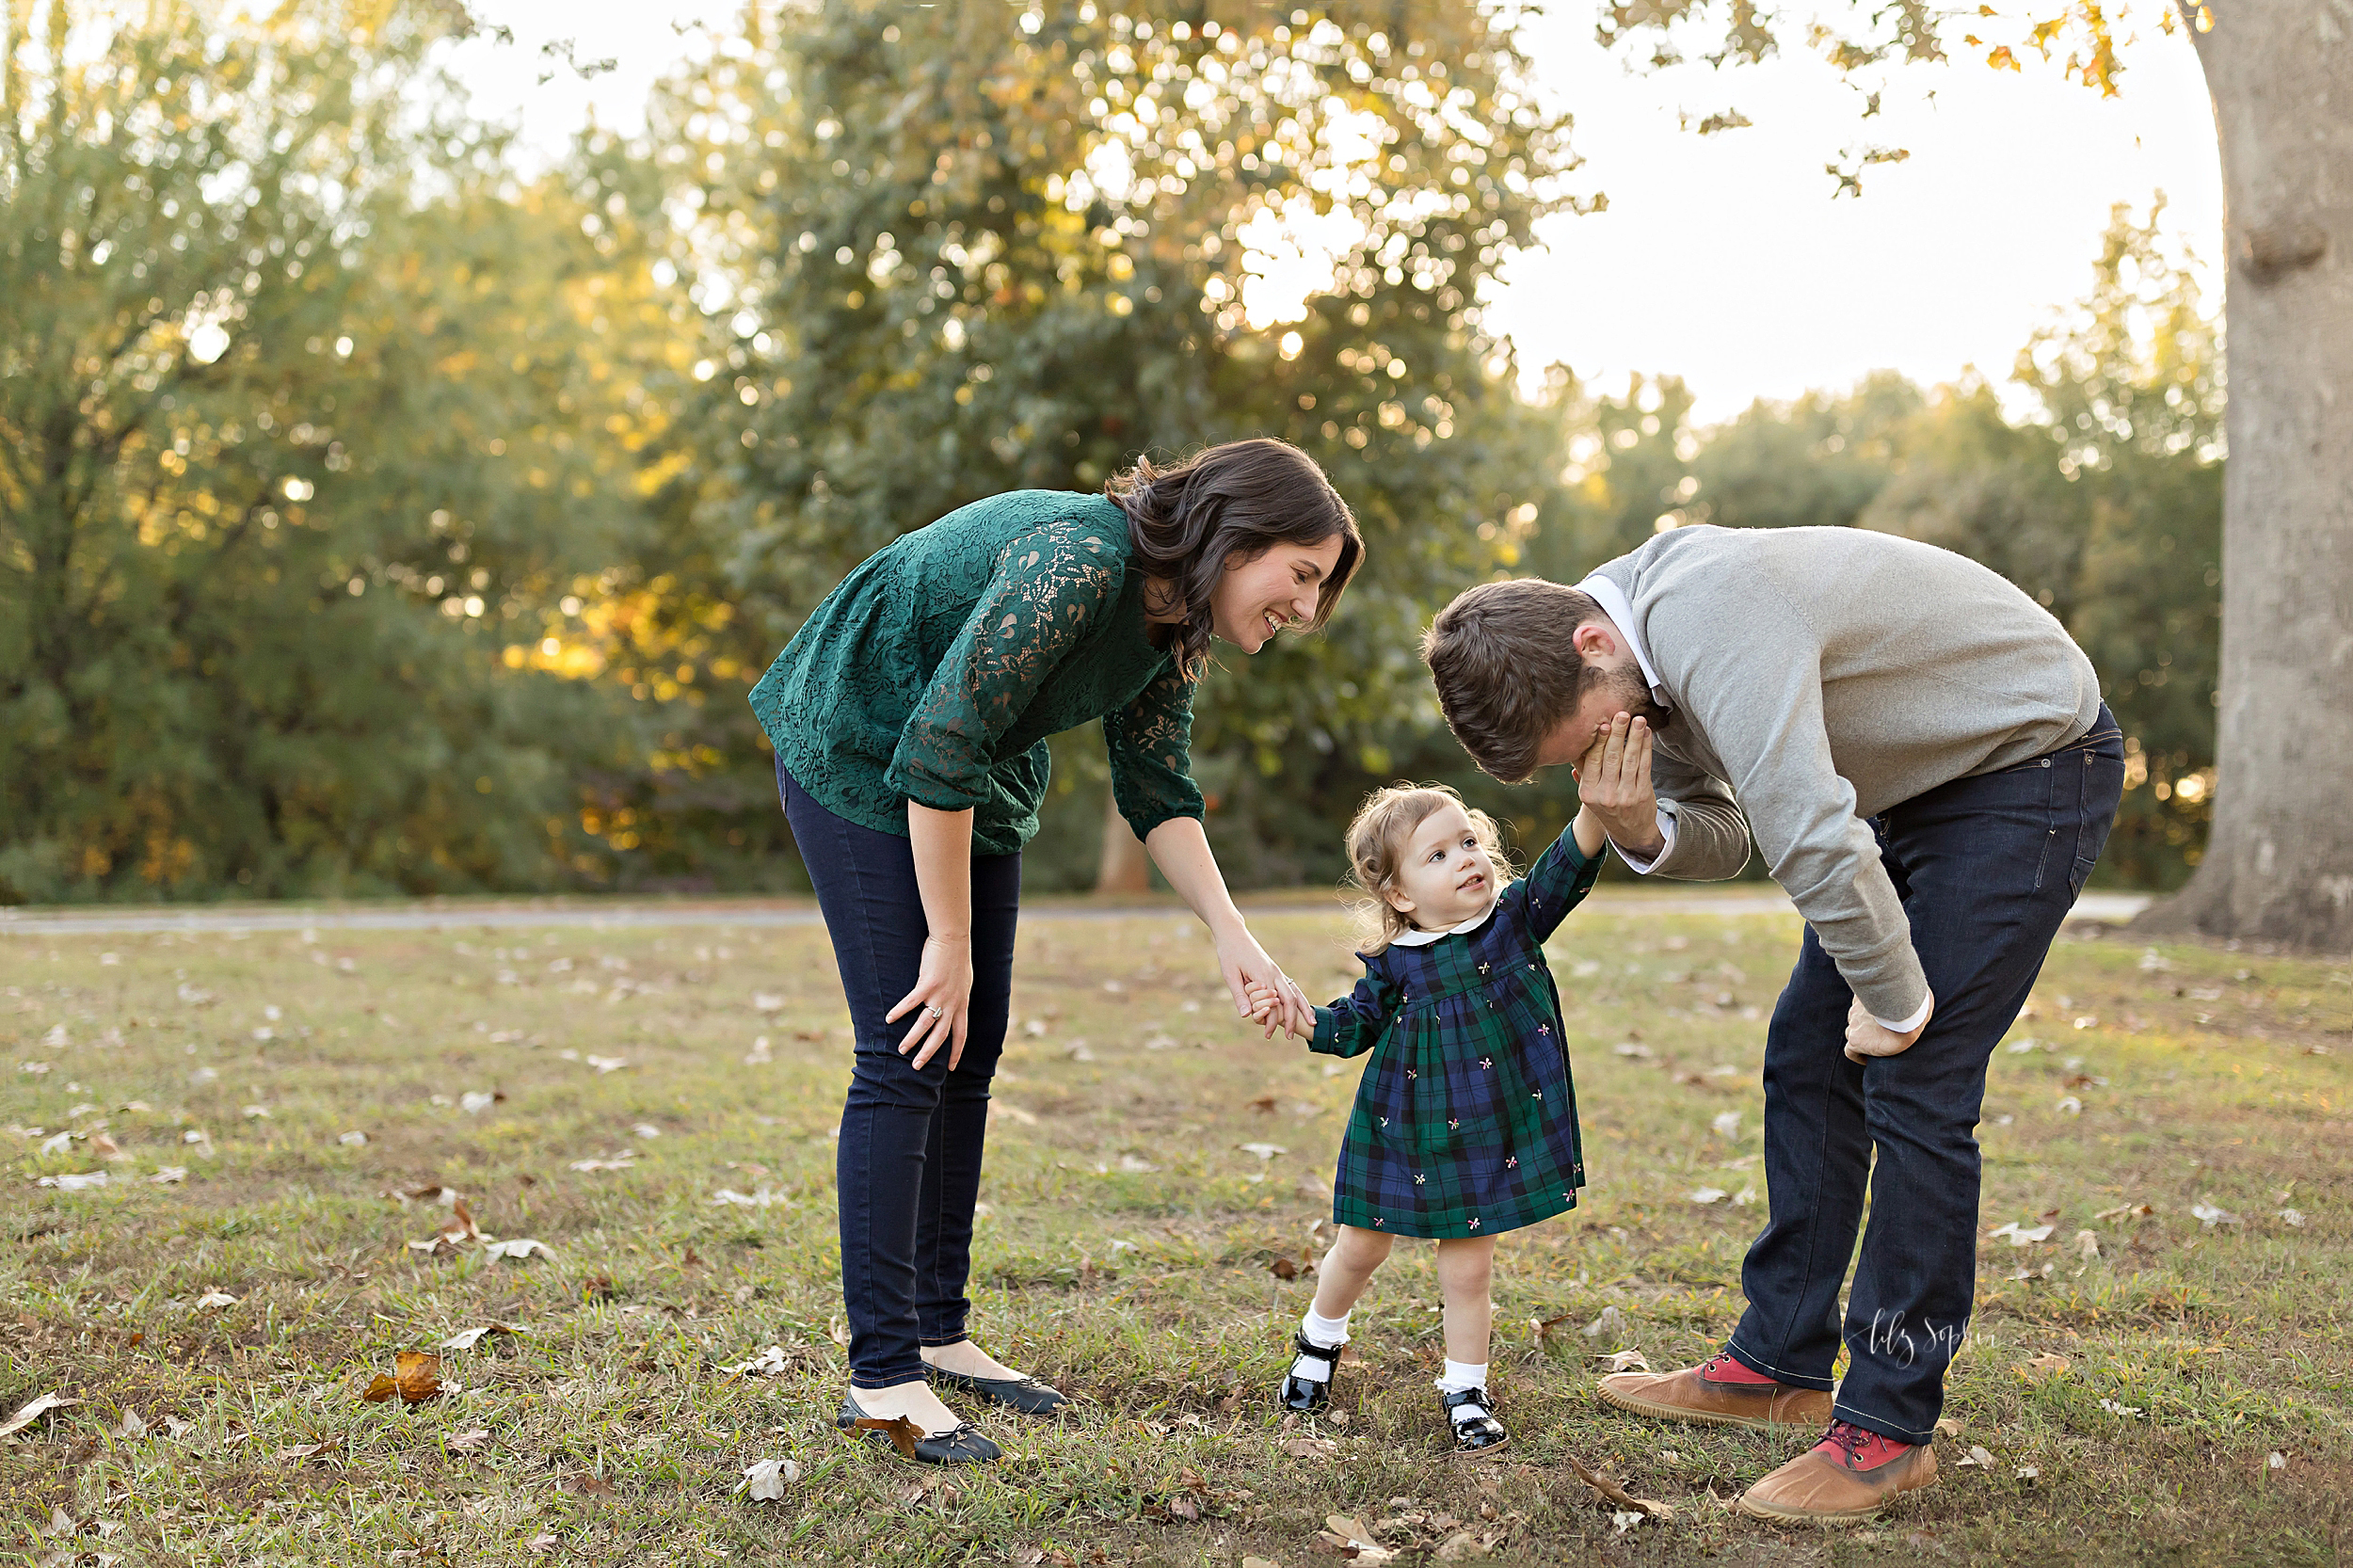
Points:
[(938, 669)]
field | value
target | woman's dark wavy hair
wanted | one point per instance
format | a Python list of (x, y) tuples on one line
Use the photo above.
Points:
[(1227, 506)]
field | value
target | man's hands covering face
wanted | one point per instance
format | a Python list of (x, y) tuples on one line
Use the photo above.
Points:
[(1613, 783)]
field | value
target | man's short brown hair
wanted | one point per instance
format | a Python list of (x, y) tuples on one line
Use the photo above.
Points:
[(1506, 669)]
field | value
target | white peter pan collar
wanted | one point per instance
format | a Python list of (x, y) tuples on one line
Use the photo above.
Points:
[(1423, 939)]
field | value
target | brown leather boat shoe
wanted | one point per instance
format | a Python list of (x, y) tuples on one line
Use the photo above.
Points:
[(1829, 1483), (1692, 1396)]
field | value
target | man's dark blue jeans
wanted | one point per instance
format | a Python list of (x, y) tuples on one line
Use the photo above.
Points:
[(1987, 868), (908, 1169)]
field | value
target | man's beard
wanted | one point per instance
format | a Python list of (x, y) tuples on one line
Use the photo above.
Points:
[(1626, 687)]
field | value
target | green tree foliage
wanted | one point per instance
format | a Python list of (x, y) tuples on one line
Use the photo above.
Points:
[(2098, 491), (2106, 504), (964, 249), (291, 412)]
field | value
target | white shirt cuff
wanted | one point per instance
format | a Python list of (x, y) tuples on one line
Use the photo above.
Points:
[(1919, 1017), (1642, 863)]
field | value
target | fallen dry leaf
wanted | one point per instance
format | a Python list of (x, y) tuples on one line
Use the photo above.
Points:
[(1543, 1327), (520, 1248), (1614, 1493), (2045, 1366), (215, 1298), (416, 1376), (32, 1410), (542, 1544), (133, 1424), (1348, 1536), (589, 1484), (769, 1363), (1976, 1459), (2020, 1236), (1947, 1427), (1623, 1361), (311, 1450), (764, 1480), (1310, 1447), (466, 1339), (1459, 1547), (467, 1441), (904, 1434)]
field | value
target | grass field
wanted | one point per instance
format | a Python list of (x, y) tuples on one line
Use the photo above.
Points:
[(606, 1096)]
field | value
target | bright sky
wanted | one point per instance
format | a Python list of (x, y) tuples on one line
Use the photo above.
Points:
[(1723, 260)]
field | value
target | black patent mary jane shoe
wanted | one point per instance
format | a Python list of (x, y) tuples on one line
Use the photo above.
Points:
[(959, 1444), (1305, 1396), (1026, 1395), (1476, 1432)]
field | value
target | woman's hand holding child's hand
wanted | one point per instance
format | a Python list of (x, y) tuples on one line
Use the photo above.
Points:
[(1265, 1004)]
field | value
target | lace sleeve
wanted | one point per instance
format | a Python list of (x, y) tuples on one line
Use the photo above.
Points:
[(1048, 589), (1150, 742)]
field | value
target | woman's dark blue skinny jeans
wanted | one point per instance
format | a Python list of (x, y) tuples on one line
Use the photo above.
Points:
[(909, 1164)]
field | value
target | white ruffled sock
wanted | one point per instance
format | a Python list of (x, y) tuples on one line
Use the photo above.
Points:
[(1320, 1331), (1460, 1377)]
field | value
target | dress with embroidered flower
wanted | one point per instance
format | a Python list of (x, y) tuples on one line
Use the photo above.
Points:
[(1465, 1119)]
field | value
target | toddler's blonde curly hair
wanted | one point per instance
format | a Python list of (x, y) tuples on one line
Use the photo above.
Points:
[(1377, 839)]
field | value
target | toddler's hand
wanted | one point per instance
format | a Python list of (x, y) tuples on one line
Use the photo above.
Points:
[(1265, 1002)]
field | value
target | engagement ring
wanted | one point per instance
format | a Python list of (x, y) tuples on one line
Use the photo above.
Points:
[(930, 1009)]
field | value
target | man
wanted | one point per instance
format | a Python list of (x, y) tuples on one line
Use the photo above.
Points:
[(1924, 758)]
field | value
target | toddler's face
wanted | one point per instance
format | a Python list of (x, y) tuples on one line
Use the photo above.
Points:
[(1447, 877)]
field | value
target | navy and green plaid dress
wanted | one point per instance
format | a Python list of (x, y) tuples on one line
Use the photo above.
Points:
[(1465, 1121)]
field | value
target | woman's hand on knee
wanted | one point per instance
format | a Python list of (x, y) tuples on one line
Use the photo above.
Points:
[(941, 1000)]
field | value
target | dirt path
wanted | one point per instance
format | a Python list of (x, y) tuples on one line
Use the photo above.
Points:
[(1751, 898)]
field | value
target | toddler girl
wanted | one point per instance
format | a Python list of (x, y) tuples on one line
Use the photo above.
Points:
[(1465, 1123)]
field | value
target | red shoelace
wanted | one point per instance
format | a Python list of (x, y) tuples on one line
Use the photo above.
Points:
[(1859, 1447), (1722, 1368)]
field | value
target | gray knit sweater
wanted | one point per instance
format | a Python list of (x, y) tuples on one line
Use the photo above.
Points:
[(1820, 676)]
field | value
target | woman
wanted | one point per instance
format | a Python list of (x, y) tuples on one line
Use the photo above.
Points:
[(910, 717)]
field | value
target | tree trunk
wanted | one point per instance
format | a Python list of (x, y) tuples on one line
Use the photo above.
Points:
[(2280, 864), (1125, 868)]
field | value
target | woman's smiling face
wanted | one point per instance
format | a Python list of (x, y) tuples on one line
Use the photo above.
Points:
[(1258, 597), (1446, 875)]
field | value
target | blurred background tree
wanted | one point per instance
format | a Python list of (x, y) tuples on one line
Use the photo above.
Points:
[(375, 516), (289, 432), (957, 251)]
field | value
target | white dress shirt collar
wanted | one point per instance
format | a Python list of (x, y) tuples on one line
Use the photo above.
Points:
[(1620, 610)]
